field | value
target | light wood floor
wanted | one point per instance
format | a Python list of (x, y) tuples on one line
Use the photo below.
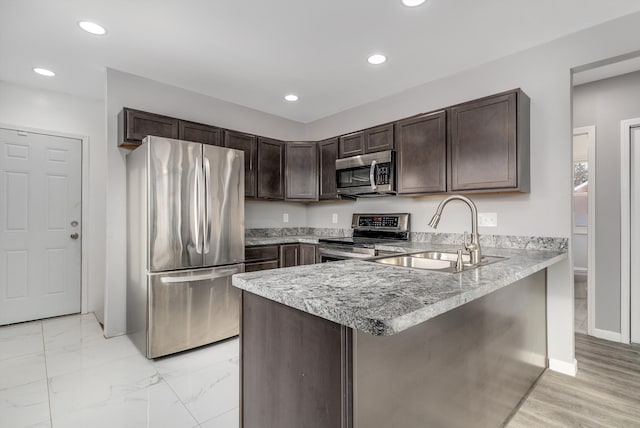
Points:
[(605, 393)]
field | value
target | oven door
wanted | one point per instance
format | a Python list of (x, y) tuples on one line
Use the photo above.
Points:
[(366, 174)]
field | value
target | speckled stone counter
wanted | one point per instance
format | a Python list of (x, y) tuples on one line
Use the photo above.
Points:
[(384, 300)]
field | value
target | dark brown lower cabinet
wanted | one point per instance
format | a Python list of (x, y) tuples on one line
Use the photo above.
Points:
[(300, 384), (308, 254), (289, 255)]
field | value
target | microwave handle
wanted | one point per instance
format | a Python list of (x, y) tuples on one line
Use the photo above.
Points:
[(372, 178)]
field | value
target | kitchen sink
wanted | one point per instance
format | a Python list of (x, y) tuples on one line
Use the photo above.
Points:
[(434, 260)]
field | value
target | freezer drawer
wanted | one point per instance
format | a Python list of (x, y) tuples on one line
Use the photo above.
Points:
[(191, 308)]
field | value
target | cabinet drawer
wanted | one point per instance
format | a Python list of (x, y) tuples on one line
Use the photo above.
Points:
[(254, 267), (261, 253)]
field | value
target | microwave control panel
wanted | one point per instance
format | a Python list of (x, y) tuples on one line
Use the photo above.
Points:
[(383, 174)]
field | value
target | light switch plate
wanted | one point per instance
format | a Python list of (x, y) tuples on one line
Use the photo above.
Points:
[(285, 218), (488, 219), (334, 218)]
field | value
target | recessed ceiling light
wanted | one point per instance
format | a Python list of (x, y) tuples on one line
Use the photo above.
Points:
[(92, 27), (44, 72), (412, 3), (291, 97), (377, 59)]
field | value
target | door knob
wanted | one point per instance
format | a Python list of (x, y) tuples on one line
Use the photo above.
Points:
[(74, 236)]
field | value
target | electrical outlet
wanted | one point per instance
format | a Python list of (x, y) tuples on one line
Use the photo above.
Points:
[(488, 219), (334, 218), (285, 218)]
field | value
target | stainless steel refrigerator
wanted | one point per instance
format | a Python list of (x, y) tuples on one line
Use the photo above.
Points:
[(185, 238)]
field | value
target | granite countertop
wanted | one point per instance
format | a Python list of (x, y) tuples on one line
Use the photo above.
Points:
[(383, 300)]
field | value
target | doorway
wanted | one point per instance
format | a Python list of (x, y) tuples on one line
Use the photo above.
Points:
[(41, 225), (630, 229), (584, 151)]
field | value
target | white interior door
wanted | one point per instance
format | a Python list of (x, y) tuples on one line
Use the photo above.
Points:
[(634, 145), (40, 210)]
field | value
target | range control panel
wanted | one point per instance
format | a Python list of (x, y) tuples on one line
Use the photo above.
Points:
[(378, 221)]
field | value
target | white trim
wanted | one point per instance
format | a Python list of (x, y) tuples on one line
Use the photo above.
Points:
[(85, 221), (607, 335), (625, 232), (591, 227), (564, 367)]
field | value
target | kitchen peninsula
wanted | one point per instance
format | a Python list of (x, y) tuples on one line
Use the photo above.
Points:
[(361, 344)]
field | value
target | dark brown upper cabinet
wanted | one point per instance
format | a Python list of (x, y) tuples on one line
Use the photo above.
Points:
[(248, 144), (421, 158), (270, 169), (134, 125), (378, 139), (327, 155), (199, 133), (301, 172), (351, 145), (489, 144)]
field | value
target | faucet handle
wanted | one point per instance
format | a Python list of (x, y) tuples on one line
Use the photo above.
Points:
[(459, 263), (465, 242)]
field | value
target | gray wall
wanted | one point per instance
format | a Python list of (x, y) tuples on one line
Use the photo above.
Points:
[(604, 104)]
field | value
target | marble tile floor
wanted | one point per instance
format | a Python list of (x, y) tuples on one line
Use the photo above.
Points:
[(62, 373), (580, 309)]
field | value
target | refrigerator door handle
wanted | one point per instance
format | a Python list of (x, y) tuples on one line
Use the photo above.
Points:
[(204, 277), (196, 208), (208, 208)]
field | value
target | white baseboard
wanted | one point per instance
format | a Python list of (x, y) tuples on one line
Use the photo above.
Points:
[(606, 335), (564, 367)]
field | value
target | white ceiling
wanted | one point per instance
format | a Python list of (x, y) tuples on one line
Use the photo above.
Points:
[(253, 52)]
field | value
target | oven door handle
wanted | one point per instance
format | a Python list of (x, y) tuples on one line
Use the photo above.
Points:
[(346, 254), (372, 178)]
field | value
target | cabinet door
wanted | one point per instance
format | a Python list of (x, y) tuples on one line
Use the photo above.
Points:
[(351, 145), (378, 139), (134, 125), (301, 178), (248, 144), (289, 255), (308, 254), (196, 132), (421, 144), (270, 169), (484, 143), (327, 154)]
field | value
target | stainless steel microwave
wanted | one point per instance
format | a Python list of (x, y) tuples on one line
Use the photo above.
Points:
[(369, 175)]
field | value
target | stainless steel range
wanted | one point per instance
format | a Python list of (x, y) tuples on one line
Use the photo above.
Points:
[(368, 230)]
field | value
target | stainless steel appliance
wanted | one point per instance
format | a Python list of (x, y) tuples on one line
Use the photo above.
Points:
[(185, 233), (368, 175), (368, 230)]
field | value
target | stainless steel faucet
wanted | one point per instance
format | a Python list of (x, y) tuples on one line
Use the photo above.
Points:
[(474, 246)]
